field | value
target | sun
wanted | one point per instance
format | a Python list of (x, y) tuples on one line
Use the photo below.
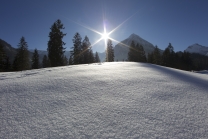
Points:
[(105, 36)]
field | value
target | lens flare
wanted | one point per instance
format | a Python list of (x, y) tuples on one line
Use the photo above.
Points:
[(104, 36)]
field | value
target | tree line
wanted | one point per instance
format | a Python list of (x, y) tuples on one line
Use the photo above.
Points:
[(179, 60), (81, 53), (4, 60), (168, 58)]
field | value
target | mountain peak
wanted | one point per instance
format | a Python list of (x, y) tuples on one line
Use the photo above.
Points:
[(134, 36), (121, 49), (197, 48)]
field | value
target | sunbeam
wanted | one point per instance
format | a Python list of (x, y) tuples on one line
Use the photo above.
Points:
[(122, 23), (105, 35)]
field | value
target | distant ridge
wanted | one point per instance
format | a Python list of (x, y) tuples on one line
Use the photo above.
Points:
[(9, 50), (121, 49), (197, 48)]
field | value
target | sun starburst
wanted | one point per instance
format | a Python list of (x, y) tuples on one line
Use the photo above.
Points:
[(105, 35)]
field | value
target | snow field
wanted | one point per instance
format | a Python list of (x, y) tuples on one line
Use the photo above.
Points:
[(108, 100)]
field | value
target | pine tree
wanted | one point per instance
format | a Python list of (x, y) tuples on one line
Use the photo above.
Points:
[(15, 64), (136, 53), (131, 54), (2, 57), (150, 58), (22, 61), (71, 60), (7, 66), (55, 44), (65, 61), (91, 56), (156, 56), (85, 50), (109, 51), (45, 62), (187, 62), (140, 54), (76, 49), (35, 60), (97, 59), (168, 56)]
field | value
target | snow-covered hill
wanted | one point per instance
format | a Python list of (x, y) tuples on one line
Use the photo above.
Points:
[(196, 48), (121, 49), (108, 100)]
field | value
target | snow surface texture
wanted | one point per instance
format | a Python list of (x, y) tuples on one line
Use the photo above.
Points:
[(108, 100), (196, 48)]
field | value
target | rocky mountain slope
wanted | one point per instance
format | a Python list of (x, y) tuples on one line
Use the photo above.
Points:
[(197, 48), (121, 49), (9, 50)]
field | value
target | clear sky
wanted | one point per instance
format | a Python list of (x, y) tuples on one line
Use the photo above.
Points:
[(180, 22)]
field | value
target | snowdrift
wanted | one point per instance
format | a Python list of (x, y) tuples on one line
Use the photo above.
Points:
[(108, 100)]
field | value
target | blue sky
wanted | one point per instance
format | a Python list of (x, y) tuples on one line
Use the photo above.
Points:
[(180, 22)]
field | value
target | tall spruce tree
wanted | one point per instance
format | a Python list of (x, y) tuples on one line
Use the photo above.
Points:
[(150, 58), (109, 51), (7, 66), (22, 61), (65, 61), (35, 60), (76, 49), (136, 53), (187, 61), (156, 56), (71, 60), (140, 54), (45, 62), (55, 44), (168, 56), (131, 53), (91, 56), (85, 50), (97, 59)]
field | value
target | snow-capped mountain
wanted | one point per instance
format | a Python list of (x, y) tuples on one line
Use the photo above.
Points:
[(197, 48), (121, 49)]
